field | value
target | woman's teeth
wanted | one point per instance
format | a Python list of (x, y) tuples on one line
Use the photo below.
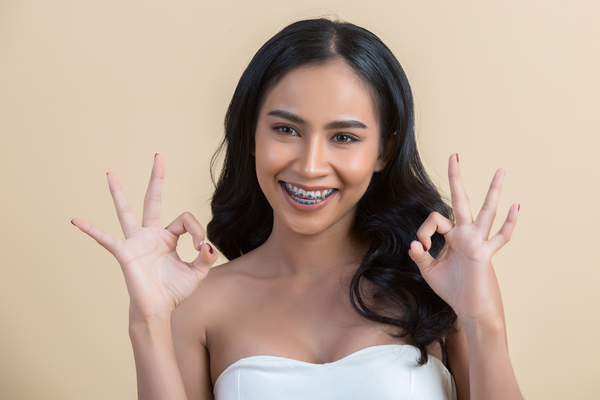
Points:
[(307, 197)]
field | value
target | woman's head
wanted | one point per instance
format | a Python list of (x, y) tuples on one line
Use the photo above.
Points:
[(321, 41), (315, 42), (317, 133)]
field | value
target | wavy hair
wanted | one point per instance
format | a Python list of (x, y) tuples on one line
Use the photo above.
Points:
[(387, 287)]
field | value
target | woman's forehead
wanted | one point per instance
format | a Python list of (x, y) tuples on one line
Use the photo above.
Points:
[(323, 92)]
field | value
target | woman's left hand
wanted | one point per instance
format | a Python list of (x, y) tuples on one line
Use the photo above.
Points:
[(464, 276)]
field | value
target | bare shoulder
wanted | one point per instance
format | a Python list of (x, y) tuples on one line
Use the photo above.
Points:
[(211, 299), (191, 321)]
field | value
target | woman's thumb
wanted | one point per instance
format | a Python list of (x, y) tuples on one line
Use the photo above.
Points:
[(206, 258), (421, 257)]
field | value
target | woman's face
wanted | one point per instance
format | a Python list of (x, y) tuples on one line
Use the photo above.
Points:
[(318, 136)]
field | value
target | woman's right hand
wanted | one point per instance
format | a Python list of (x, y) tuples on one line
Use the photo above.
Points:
[(157, 279)]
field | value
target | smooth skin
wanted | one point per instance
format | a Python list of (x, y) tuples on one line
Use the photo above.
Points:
[(288, 297), (464, 277), (157, 280)]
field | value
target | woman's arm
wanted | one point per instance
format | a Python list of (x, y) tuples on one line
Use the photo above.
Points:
[(464, 277), (458, 360), (158, 375), (157, 280), (167, 368), (491, 374)]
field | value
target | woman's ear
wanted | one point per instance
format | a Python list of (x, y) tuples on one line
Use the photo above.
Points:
[(379, 165), (386, 153)]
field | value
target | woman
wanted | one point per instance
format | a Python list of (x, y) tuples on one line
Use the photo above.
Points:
[(331, 226)]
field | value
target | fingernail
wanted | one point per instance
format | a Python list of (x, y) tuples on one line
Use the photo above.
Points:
[(155, 155), (72, 222), (519, 208), (424, 247), (200, 245), (210, 249), (456, 157)]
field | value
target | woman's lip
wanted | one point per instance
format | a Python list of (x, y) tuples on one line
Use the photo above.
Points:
[(308, 188), (305, 207)]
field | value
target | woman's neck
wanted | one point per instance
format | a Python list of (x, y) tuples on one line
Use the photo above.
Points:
[(332, 251)]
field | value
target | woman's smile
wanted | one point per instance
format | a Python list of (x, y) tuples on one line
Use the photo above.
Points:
[(306, 200), (307, 195), (317, 146)]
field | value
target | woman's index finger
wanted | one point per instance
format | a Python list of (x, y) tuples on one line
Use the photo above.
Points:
[(460, 201), (103, 238), (152, 200)]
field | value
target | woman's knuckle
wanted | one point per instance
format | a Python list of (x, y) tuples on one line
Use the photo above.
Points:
[(188, 217)]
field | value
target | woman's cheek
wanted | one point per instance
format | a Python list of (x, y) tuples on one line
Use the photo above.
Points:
[(357, 169), (271, 155)]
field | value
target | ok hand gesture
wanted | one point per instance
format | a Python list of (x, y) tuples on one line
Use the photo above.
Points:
[(157, 279), (464, 276)]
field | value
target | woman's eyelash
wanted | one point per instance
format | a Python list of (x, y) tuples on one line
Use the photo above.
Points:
[(347, 138), (281, 128), (289, 131)]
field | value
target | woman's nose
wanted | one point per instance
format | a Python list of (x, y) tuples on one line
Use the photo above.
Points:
[(312, 160)]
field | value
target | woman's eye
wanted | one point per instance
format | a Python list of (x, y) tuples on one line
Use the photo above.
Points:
[(341, 138), (286, 130)]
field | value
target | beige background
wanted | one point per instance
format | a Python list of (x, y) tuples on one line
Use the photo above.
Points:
[(91, 87)]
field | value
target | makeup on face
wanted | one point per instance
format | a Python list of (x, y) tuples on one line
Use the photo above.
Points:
[(317, 145)]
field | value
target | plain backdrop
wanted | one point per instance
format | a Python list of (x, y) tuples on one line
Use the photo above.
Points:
[(88, 87)]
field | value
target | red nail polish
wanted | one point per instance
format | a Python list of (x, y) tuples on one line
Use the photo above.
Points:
[(210, 249), (424, 247), (155, 155), (72, 222), (457, 157), (519, 209)]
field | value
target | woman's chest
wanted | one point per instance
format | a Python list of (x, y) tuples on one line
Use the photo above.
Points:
[(315, 327)]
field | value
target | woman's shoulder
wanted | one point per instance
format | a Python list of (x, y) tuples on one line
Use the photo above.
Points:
[(224, 285), (231, 275)]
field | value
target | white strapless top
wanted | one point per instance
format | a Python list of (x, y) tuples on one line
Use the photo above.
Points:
[(375, 373)]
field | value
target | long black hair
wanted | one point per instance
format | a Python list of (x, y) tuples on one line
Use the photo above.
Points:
[(397, 201)]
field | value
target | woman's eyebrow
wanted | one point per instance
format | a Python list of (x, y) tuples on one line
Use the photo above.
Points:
[(287, 115), (349, 123)]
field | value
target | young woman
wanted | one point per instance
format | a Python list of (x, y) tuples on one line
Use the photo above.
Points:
[(348, 277)]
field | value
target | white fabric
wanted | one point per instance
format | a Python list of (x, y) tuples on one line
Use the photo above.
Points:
[(375, 373)]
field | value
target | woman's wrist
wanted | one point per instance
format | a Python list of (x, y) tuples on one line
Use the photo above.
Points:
[(138, 322), (479, 329)]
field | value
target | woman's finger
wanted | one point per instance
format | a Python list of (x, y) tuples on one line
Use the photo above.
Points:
[(126, 218), (206, 258), (486, 216), (103, 238), (186, 222), (435, 222), (421, 257), (505, 232), (460, 200), (151, 215)]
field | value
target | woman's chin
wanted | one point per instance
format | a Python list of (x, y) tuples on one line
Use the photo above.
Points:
[(315, 225), (306, 229)]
